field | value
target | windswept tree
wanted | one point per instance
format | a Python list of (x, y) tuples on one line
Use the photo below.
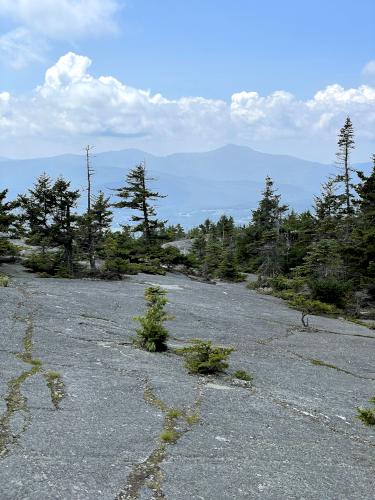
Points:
[(137, 196)]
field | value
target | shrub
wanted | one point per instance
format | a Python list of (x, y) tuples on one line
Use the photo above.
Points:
[(47, 262), (204, 358), (243, 375), (7, 248), (118, 266), (309, 306), (152, 335), (4, 280), (367, 415), (329, 290)]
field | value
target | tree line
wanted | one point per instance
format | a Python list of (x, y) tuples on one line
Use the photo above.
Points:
[(328, 250)]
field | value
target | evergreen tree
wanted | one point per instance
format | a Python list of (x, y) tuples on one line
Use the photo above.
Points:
[(48, 218), (64, 219), (364, 233), (137, 196), (228, 268), (93, 227), (327, 209), (265, 234), (345, 144), (7, 217), (37, 210)]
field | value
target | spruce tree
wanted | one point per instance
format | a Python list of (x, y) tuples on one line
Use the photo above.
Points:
[(345, 144), (266, 242), (136, 196), (364, 233), (7, 217), (64, 220)]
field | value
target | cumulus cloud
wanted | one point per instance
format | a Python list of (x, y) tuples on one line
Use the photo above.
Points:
[(72, 103), (39, 22)]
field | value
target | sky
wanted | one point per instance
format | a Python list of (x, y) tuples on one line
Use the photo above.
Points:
[(168, 76)]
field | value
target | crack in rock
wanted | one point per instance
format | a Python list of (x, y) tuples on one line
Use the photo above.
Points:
[(177, 421), (16, 402)]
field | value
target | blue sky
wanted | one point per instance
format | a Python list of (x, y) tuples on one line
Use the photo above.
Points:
[(200, 49)]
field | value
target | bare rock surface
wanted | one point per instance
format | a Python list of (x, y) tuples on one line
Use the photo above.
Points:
[(82, 410)]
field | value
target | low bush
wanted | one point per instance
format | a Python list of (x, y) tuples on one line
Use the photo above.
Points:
[(4, 280), (367, 415), (204, 358), (152, 334), (8, 248), (47, 262), (243, 375), (118, 266), (330, 291), (310, 306)]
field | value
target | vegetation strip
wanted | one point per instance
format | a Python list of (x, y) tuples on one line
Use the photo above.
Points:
[(176, 423), (15, 401)]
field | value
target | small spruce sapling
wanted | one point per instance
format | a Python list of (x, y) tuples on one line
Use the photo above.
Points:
[(204, 358), (152, 334)]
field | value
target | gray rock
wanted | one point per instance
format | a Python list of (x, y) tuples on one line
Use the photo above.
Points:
[(293, 434)]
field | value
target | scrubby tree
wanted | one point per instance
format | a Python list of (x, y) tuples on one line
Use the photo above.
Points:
[(152, 334), (136, 195)]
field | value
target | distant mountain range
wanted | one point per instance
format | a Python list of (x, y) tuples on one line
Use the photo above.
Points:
[(199, 185)]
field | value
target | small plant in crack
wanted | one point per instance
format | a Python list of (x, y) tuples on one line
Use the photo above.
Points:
[(56, 387), (243, 375), (204, 358), (367, 415), (152, 334), (174, 413), (169, 436)]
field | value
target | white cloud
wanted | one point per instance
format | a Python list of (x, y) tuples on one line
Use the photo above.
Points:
[(72, 105), (38, 22), (369, 68), (20, 47), (62, 18)]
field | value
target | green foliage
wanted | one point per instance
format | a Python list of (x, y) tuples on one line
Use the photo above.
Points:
[(168, 436), (8, 248), (330, 291), (4, 281), (152, 335), (310, 306), (204, 358), (44, 262), (118, 266), (136, 195), (367, 415), (243, 375)]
